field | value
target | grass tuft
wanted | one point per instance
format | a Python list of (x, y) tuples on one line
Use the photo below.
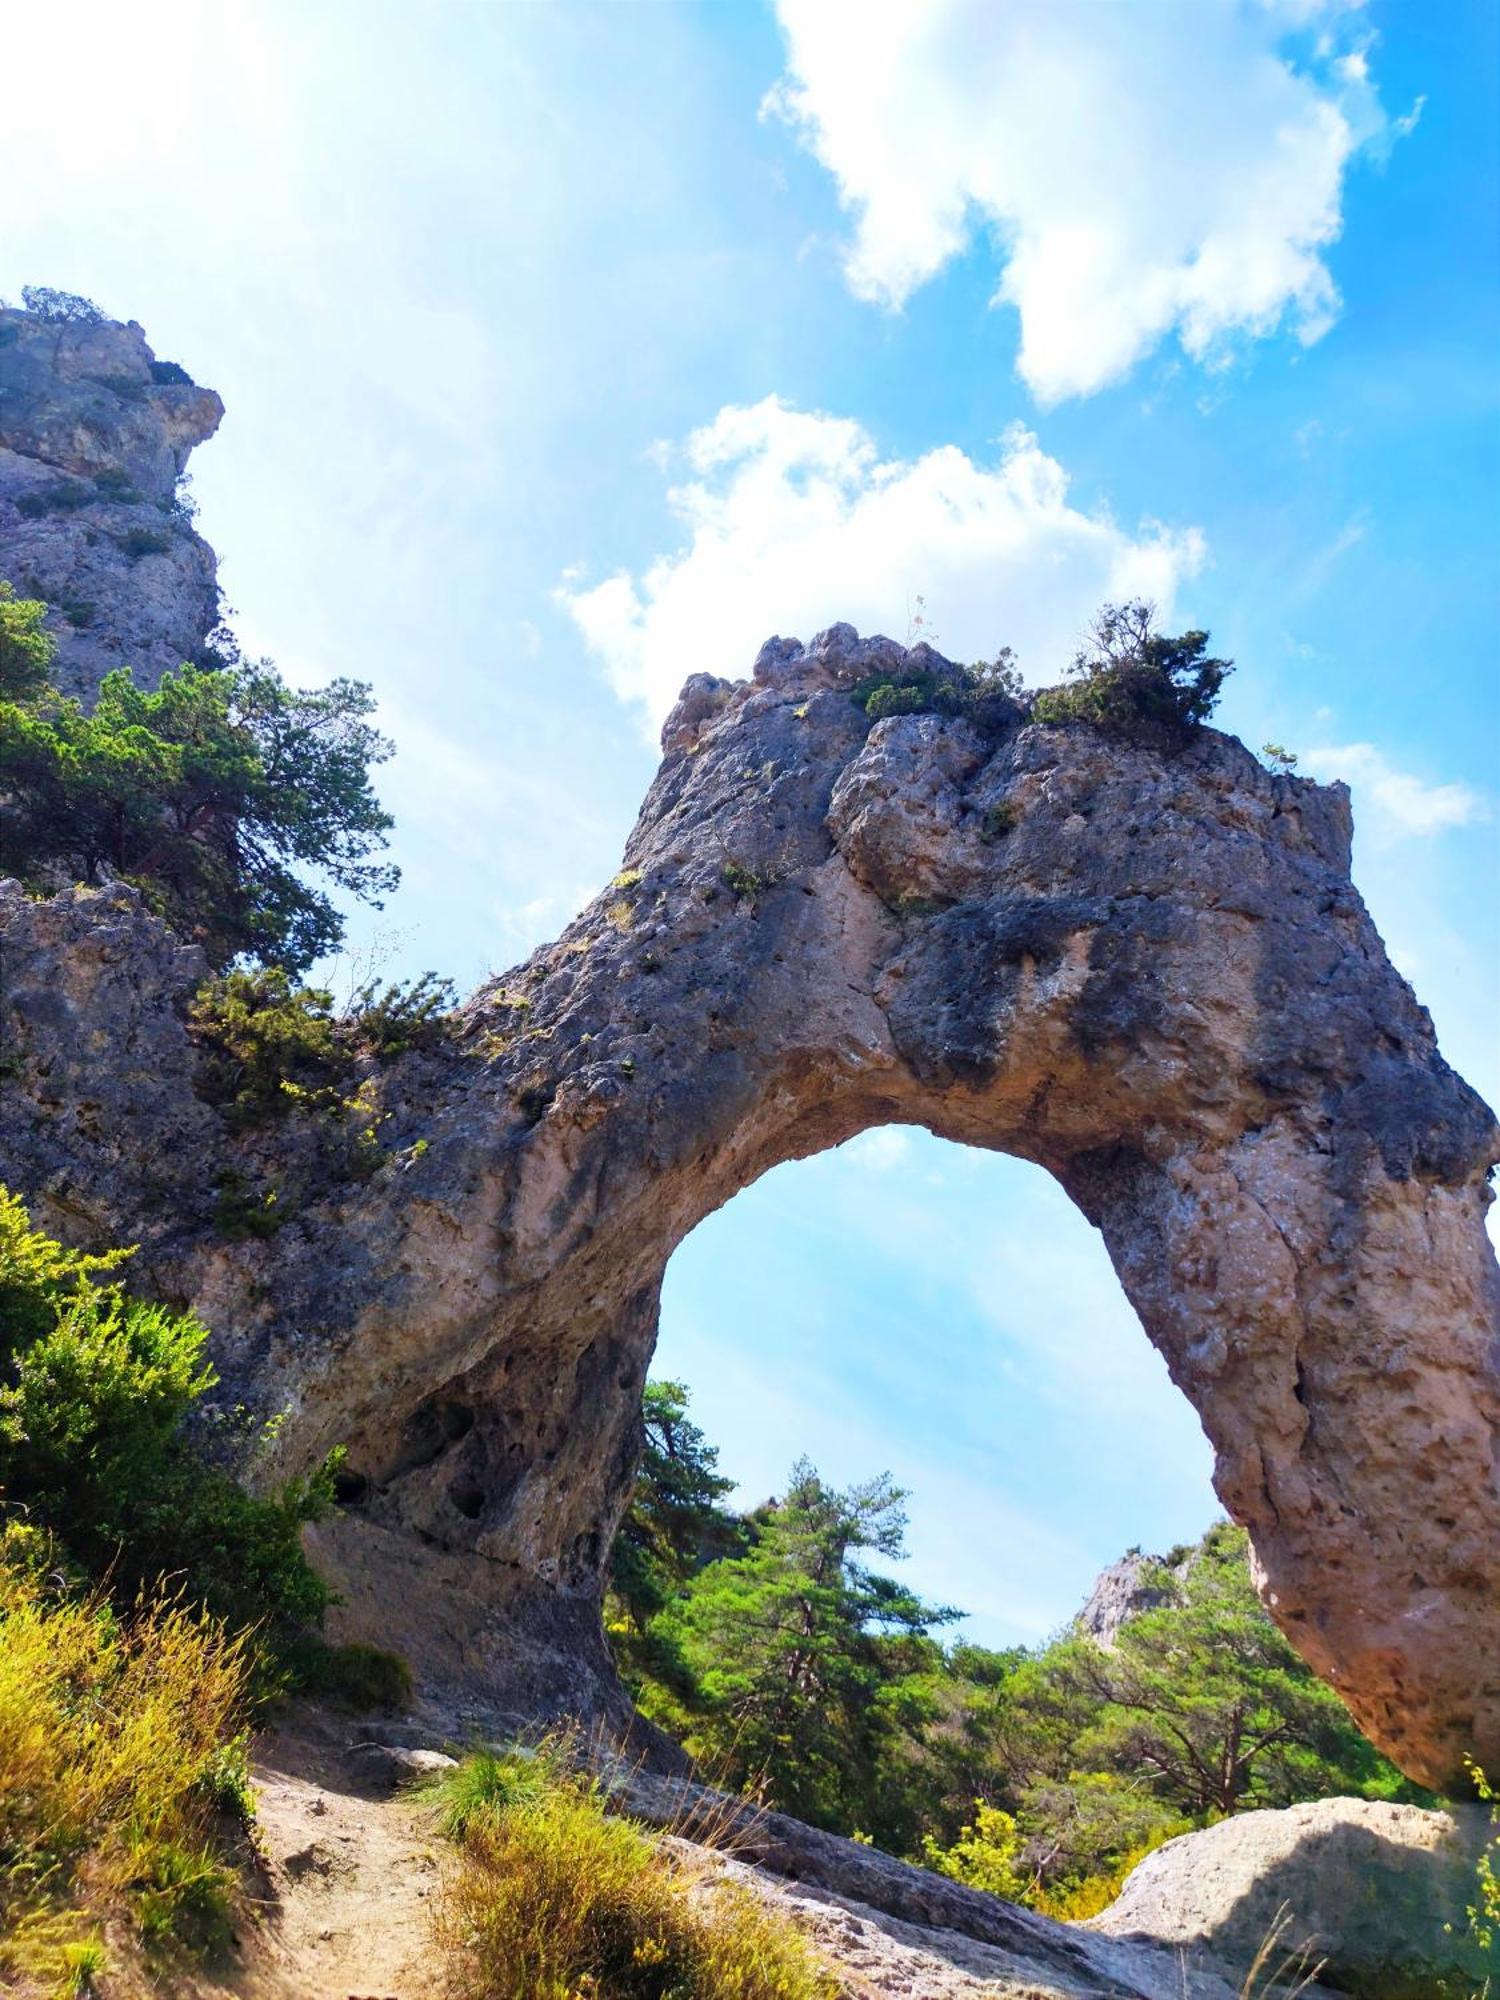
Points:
[(113, 1769), (555, 1898)]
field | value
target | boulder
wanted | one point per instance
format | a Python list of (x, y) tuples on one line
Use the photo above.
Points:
[(1376, 1894)]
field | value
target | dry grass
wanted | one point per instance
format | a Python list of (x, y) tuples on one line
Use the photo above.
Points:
[(555, 1898), (1278, 1972), (118, 1756)]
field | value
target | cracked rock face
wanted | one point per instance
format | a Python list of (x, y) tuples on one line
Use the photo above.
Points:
[(1139, 963), (94, 435)]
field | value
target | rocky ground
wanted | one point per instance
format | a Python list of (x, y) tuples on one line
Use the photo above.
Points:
[(353, 1863)]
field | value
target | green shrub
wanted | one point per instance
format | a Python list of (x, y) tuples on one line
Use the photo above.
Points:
[(209, 793), (999, 819), (171, 374), (26, 650), (1131, 673), (741, 881), (115, 485), (495, 1781), (388, 1022), (556, 1898), (140, 542), (63, 496), (60, 308), (95, 1390), (267, 1047), (987, 694), (986, 1855), (909, 698), (362, 1679), (243, 1212)]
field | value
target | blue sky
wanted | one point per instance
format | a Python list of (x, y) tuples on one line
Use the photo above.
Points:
[(569, 348)]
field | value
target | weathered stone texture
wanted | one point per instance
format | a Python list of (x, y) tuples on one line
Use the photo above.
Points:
[(1375, 1894), (92, 445), (1138, 962)]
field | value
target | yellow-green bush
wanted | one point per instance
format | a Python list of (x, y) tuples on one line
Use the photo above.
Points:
[(119, 1754), (556, 1899)]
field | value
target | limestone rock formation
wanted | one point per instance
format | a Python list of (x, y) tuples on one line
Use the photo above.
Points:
[(94, 437), (1138, 962), (1377, 1893), (1122, 1592)]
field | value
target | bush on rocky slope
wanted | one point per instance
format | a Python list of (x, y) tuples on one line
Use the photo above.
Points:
[(556, 1899), (212, 793), (94, 1388), (1129, 673)]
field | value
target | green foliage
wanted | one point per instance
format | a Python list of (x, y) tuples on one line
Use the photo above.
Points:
[(1484, 1912), (986, 1855), (1131, 673), (808, 1668), (25, 649), (244, 1212), (389, 1021), (115, 485), (360, 1678), (494, 1781), (1207, 1702), (268, 1046), (93, 1397), (675, 1522), (999, 819), (987, 694), (39, 1278), (171, 374), (1281, 762), (60, 308), (62, 496), (740, 881), (209, 793), (795, 1673), (138, 542), (555, 1898)]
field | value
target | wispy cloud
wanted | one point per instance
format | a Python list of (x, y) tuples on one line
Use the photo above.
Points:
[(1141, 170), (1400, 803)]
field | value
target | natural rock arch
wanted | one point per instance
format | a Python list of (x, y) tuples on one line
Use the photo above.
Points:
[(1137, 962)]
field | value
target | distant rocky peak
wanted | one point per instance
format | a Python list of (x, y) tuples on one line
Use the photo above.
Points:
[(95, 435), (1135, 1584)]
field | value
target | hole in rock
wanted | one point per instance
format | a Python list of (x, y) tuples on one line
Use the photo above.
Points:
[(350, 1489), (903, 1303), (468, 1497)]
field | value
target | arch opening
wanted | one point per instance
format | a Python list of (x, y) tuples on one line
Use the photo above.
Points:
[(905, 1304)]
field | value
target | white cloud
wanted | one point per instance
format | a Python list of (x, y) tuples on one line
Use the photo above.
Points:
[(1400, 803), (1140, 169), (795, 522)]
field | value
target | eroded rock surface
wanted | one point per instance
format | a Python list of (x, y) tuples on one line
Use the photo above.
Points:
[(95, 434), (1126, 1590), (1376, 1894), (1138, 962)]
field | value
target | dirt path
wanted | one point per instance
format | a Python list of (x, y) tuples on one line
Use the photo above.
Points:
[(352, 1866)]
